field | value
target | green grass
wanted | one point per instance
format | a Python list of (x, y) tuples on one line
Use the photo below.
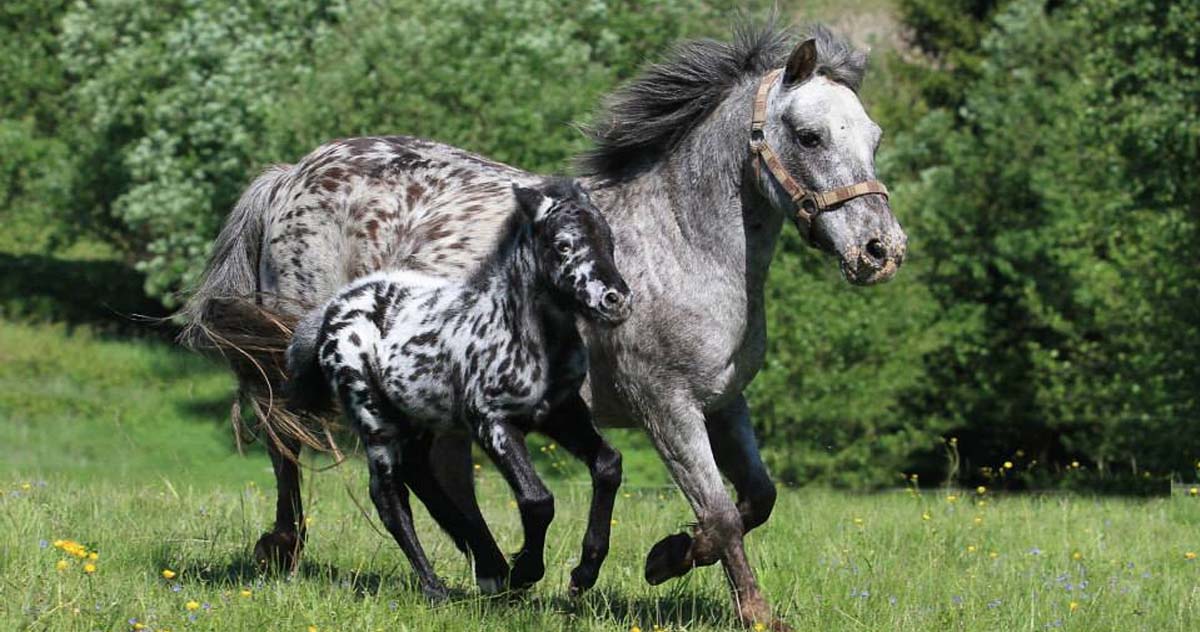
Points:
[(121, 446)]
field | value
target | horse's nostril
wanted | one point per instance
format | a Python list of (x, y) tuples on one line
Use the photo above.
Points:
[(611, 298), (876, 250)]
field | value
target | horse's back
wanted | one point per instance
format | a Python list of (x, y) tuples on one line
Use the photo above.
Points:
[(361, 205)]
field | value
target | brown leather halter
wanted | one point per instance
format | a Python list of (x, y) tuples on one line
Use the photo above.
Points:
[(809, 204)]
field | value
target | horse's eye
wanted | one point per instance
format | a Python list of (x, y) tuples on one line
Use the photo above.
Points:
[(808, 139), (563, 247)]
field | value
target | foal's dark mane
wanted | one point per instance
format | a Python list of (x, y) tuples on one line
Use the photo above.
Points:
[(644, 120)]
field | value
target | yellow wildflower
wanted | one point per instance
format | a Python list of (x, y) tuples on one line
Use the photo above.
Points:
[(613, 522), (993, 555), (1189, 555), (168, 573), (758, 627), (93, 556), (1074, 605), (245, 592), (26, 486), (970, 548), (978, 520), (89, 568), (1008, 465), (192, 606), (926, 516), (139, 626), (635, 629), (312, 628), (1077, 556), (62, 565), (952, 498), (981, 490), (1194, 491), (859, 521)]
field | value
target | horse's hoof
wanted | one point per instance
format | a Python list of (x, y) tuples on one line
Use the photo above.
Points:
[(435, 592), (669, 558), (278, 551), (527, 570)]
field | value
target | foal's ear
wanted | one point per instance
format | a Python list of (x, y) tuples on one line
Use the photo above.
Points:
[(531, 203), (801, 63)]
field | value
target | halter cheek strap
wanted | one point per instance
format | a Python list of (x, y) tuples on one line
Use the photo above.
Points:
[(808, 204)]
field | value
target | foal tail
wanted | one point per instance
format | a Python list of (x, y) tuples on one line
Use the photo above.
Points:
[(307, 389)]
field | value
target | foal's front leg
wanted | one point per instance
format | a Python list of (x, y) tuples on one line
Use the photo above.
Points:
[(504, 443), (571, 426)]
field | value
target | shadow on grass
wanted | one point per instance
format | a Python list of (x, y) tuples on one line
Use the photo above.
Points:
[(107, 296), (680, 605)]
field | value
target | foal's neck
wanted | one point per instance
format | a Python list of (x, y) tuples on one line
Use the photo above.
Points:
[(523, 293)]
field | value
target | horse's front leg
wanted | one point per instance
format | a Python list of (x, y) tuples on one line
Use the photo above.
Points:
[(572, 427), (733, 444), (504, 443), (677, 428)]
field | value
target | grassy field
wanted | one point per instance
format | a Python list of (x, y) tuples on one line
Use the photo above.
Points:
[(121, 446)]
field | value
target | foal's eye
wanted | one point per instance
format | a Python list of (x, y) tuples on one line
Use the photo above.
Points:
[(563, 247), (808, 139)]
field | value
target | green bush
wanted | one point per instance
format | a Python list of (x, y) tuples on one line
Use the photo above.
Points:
[(1058, 211)]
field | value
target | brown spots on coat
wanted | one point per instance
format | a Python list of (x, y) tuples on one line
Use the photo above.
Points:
[(413, 194)]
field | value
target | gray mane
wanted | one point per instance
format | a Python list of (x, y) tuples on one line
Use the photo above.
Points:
[(648, 117)]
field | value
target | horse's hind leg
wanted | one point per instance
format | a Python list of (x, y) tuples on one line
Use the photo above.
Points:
[(733, 444), (572, 427), (280, 548), (505, 445), (438, 470)]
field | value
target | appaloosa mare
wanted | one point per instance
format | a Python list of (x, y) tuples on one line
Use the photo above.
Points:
[(697, 163)]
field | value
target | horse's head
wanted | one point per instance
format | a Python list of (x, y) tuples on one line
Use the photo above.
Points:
[(815, 123), (573, 245)]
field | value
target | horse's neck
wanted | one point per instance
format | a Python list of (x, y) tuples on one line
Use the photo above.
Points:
[(698, 202)]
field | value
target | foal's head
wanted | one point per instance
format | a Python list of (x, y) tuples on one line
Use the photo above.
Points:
[(573, 246)]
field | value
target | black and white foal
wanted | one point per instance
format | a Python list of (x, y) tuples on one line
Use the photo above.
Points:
[(412, 358)]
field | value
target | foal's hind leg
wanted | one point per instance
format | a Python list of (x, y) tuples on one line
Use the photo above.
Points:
[(571, 425), (505, 445), (390, 498), (438, 470)]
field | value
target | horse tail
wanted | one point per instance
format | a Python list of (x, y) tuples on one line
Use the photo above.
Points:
[(225, 316), (232, 270)]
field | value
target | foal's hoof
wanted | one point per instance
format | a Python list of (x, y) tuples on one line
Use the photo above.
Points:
[(669, 558), (527, 570), (278, 551), (582, 578), (491, 585)]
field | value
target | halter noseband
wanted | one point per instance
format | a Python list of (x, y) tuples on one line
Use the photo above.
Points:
[(808, 204)]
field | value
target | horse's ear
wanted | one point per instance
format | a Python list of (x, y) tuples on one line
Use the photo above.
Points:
[(801, 63), (530, 202)]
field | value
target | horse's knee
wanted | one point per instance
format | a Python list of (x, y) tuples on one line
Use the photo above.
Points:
[(607, 475), (718, 527)]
